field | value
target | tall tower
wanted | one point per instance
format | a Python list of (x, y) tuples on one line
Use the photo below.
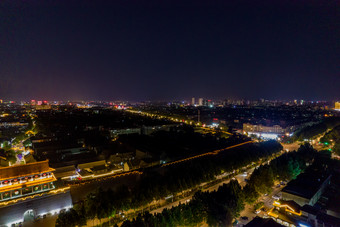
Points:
[(337, 106), (200, 101), (193, 101)]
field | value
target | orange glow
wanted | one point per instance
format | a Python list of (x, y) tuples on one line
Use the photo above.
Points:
[(287, 208), (27, 184), (272, 214), (33, 196)]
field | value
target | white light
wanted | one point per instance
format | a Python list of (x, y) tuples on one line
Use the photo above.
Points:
[(303, 225), (264, 135), (14, 222)]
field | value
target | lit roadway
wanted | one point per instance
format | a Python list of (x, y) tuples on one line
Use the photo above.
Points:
[(295, 146), (240, 178), (249, 210), (177, 119)]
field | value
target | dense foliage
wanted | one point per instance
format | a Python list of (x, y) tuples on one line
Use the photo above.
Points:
[(179, 142), (156, 184), (77, 121), (284, 168), (311, 131), (218, 208), (331, 137)]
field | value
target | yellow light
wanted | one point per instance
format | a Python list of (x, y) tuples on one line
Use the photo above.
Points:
[(33, 196)]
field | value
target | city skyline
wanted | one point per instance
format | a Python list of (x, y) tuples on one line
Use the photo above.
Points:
[(132, 50), (169, 113)]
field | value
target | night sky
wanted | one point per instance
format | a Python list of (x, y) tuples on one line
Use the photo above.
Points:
[(168, 50)]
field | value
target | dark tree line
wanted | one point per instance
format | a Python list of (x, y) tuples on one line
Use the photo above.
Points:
[(283, 168), (333, 136), (309, 132), (219, 208), (172, 180)]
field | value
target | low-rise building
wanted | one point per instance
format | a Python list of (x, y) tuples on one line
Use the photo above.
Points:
[(289, 213), (306, 188)]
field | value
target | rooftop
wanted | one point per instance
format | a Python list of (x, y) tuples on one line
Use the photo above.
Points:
[(24, 170), (310, 209), (261, 222), (328, 219), (306, 184)]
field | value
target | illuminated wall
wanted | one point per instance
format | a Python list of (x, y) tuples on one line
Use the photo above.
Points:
[(23, 180)]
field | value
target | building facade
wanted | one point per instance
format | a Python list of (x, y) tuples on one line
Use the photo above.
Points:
[(23, 180), (337, 106), (277, 129), (193, 101)]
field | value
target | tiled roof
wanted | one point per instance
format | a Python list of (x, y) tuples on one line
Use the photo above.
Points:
[(24, 170)]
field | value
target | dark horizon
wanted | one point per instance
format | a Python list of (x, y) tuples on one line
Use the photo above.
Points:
[(169, 50)]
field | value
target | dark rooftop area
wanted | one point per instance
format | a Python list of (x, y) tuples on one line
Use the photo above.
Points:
[(310, 209), (328, 219), (261, 222), (306, 184)]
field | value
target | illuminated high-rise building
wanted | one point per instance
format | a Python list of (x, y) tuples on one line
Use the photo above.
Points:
[(337, 106), (200, 101), (192, 101)]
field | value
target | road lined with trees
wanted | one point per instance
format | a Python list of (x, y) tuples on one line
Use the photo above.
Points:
[(219, 208), (155, 185)]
